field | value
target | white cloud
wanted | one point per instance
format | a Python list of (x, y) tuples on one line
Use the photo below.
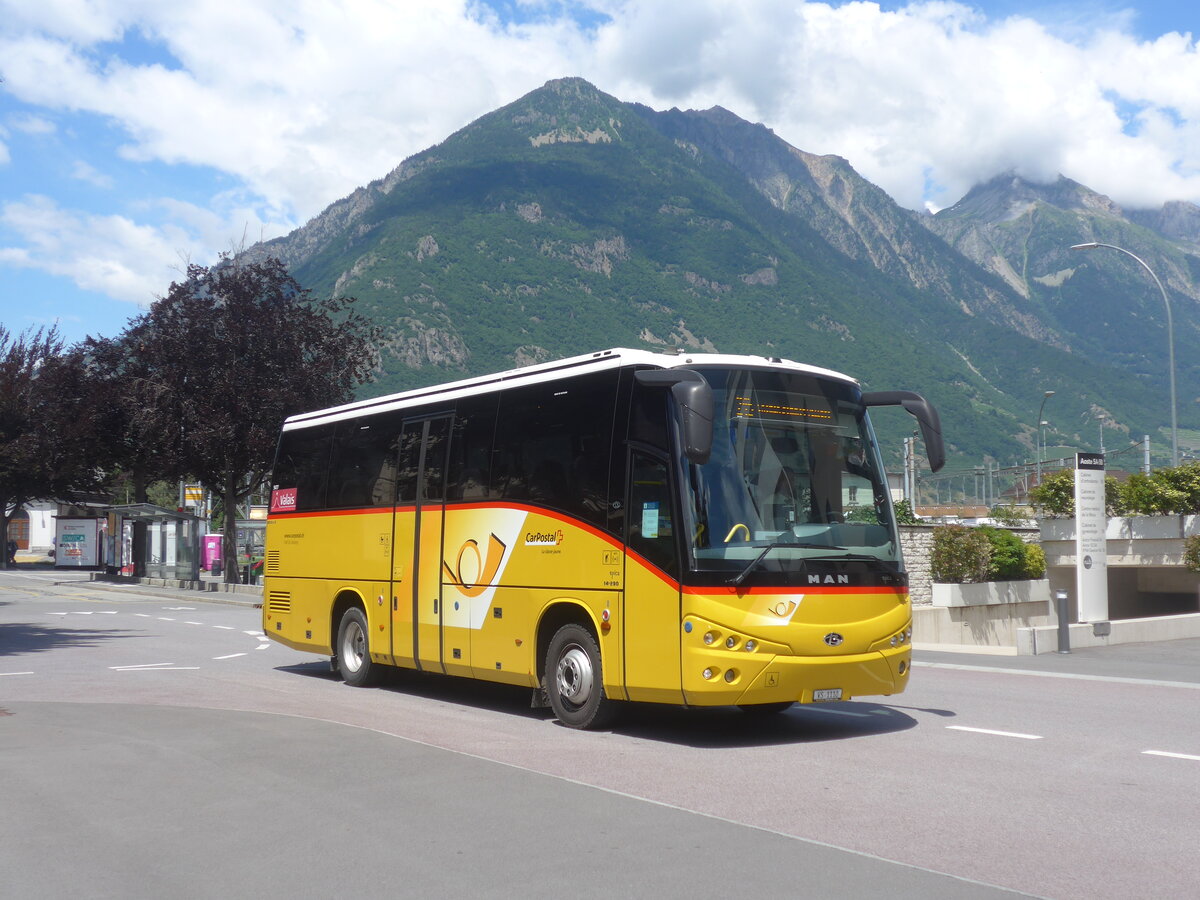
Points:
[(298, 104), (82, 171), (113, 254)]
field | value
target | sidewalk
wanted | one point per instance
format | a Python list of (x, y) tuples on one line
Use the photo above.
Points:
[(1174, 662), (208, 589)]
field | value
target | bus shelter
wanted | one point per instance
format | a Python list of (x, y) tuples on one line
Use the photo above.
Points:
[(154, 542)]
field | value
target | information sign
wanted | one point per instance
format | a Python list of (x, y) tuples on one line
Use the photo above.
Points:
[(1091, 545)]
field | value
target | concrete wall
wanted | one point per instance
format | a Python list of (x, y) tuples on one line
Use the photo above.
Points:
[(1146, 576)]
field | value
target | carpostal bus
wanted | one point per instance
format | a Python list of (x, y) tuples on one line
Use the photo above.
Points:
[(692, 529)]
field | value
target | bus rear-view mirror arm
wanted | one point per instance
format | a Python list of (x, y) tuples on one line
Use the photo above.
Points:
[(926, 416), (694, 398)]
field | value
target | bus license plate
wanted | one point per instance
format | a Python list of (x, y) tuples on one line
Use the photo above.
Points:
[(827, 694)]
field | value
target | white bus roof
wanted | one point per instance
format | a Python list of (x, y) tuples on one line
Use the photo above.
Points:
[(550, 371)]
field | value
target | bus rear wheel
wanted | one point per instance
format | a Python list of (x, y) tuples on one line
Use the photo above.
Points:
[(353, 651), (573, 679)]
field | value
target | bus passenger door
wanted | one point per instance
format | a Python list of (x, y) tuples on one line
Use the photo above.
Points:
[(417, 553), (652, 599)]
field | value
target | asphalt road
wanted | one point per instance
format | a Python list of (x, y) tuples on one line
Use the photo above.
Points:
[(160, 746)]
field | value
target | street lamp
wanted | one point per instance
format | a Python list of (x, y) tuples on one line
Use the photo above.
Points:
[(1092, 245), (1046, 395)]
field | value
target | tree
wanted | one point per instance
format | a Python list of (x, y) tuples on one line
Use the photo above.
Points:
[(48, 428), (228, 354)]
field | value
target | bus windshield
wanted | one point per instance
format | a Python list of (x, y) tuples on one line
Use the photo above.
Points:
[(794, 485)]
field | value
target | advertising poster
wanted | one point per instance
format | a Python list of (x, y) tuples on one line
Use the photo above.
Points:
[(77, 543)]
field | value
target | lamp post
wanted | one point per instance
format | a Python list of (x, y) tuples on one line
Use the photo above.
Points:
[(1092, 245), (1046, 395)]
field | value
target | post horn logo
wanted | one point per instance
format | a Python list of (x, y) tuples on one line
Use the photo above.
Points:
[(478, 577)]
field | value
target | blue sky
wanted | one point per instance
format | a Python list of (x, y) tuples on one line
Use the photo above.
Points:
[(136, 135)]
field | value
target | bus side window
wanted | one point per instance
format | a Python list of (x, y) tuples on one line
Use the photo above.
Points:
[(408, 458), (362, 470), (470, 465), (651, 531), (303, 464)]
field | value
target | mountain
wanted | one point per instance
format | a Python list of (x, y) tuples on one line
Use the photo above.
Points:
[(1096, 304), (570, 221)]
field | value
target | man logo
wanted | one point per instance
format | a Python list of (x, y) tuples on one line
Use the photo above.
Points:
[(833, 639)]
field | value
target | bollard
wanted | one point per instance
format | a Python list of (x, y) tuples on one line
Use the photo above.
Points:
[(1064, 624)]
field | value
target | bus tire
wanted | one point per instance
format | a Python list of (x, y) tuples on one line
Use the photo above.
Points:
[(353, 651), (574, 682)]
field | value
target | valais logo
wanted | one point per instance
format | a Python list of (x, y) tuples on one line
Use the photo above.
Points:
[(283, 500)]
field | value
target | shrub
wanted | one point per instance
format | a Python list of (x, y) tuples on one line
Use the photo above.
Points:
[(1035, 562), (1191, 553), (1007, 561), (960, 555), (963, 555), (1010, 515), (905, 514)]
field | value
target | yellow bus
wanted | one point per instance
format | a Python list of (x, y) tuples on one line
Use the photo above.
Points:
[(692, 529)]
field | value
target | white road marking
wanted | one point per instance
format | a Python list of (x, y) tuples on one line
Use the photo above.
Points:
[(165, 619), (2, 674), (1011, 734), (230, 656), (224, 627), (1113, 679), (143, 666), (254, 633), (180, 608), (165, 667), (193, 623), (262, 646), (106, 612), (1171, 755), (142, 615)]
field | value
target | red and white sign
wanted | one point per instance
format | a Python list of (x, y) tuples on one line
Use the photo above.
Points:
[(283, 500)]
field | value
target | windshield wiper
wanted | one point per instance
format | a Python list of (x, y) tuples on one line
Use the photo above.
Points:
[(788, 545)]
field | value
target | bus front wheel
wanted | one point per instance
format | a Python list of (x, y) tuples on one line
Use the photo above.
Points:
[(573, 679), (353, 653)]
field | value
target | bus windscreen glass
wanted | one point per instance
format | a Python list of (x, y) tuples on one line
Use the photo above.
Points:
[(794, 484)]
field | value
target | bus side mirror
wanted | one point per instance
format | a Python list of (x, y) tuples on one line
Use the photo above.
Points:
[(926, 416), (694, 398)]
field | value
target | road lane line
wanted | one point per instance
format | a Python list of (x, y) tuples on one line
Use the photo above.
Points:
[(165, 619), (230, 656), (2, 674), (142, 666), (1171, 755), (1075, 676), (225, 627), (1011, 734), (193, 623)]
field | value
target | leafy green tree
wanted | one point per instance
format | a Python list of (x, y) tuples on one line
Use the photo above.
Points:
[(224, 358)]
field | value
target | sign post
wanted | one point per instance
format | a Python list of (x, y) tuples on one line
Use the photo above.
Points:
[(1091, 546)]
